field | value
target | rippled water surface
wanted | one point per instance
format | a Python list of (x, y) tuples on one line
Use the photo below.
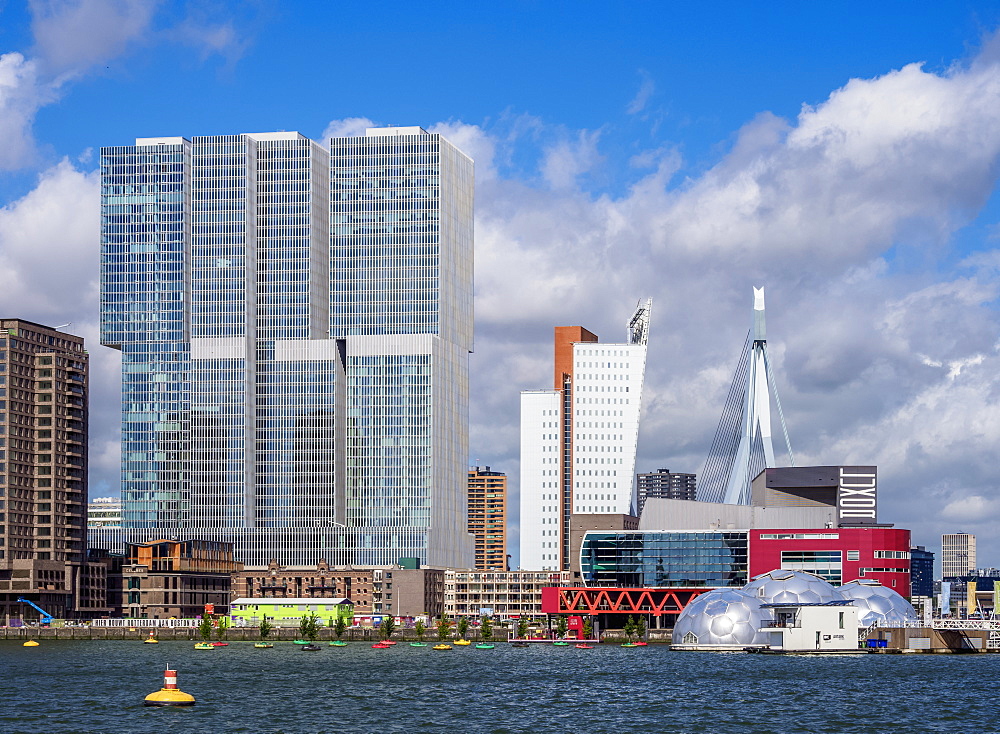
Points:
[(98, 686)]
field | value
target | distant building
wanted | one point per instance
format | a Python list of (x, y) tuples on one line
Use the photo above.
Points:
[(177, 578), (501, 595), (488, 517), (578, 440), (582, 524), (43, 470), (402, 592), (666, 485), (104, 512), (958, 555), (921, 572)]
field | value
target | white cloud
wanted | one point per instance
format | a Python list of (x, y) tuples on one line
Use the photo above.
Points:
[(641, 98), (347, 127), (21, 94), (71, 36), (570, 158)]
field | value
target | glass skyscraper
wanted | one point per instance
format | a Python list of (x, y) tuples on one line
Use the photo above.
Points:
[(294, 324)]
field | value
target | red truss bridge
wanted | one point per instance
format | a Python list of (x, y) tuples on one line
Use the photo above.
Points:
[(584, 600)]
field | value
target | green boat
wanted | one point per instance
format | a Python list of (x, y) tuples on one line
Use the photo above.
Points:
[(300, 642), (629, 644), (338, 643), (484, 646), (418, 644), (204, 646), (560, 643), (262, 644)]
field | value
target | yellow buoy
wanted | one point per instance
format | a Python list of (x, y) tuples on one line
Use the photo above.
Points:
[(30, 643), (170, 694), (151, 640)]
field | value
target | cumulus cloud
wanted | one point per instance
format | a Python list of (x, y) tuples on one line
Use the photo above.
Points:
[(641, 98), (21, 94), (568, 159), (72, 36)]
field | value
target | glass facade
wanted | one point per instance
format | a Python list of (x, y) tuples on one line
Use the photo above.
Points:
[(664, 559), (294, 326), (826, 564)]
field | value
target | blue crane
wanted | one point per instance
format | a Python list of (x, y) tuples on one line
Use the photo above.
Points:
[(43, 616)]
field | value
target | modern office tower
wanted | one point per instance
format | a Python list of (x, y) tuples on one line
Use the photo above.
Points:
[(488, 517), (666, 485), (294, 324), (578, 440), (958, 555), (43, 471), (921, 571)]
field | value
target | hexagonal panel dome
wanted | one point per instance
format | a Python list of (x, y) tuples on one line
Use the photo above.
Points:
[(878, 604), (721, 617), (792, 587)]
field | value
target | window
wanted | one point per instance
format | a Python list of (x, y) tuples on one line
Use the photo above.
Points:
[(853, 555)]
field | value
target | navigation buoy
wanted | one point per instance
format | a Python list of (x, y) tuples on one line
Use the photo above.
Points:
[(30, 643), (170, 694)]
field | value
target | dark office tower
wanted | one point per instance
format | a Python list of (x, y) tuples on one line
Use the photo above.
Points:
[(664, 484), (43, 469), (921, 571)]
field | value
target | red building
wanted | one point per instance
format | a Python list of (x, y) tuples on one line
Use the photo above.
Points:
[(837, 554)]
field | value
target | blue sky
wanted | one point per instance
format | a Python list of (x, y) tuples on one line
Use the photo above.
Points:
[(843, 155)]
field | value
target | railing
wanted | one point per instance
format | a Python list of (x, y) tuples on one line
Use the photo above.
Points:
[(133, 622)]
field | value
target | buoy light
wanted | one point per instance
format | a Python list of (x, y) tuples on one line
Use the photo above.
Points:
[(170, 694)]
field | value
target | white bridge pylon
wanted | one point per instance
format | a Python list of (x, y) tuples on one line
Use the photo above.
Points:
[(756, 423)]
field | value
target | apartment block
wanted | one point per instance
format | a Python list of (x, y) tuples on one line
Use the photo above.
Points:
[(488, 517)]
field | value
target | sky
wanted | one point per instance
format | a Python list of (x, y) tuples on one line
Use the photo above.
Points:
[(844, 156)]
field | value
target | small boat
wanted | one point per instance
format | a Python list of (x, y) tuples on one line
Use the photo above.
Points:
[(629, 644), (338, 643), (642, 644), (380, 646), (418, 644), (390, 643), (220, 644), (519, 643), (442, 647), (150, 641), (263, 644), (309, 647), (583, 646), (484, 646), (300, 642), (561, 643), (30, 643), (462, 643), (204, 646)]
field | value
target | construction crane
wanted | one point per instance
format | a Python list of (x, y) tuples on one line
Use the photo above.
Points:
[(43, 616)]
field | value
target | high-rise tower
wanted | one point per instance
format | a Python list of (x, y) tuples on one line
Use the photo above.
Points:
[(295, 324), (578, 440)]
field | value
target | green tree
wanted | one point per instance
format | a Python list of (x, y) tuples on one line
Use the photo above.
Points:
[(562, 626), (486, 628), (629, 628), (387, 627), (339, 626), (205, 628), (309, 626), (522, 628), (265, 629), (443, 627), (221, 627), (462, 627), (640, 626), (588, 628), (421, 629)]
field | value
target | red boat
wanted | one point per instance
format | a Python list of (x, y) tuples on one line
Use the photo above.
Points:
[(642, 644), (220, 644), (582, 646), (380, 646)]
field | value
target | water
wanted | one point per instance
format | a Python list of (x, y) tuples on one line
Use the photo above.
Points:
[(97, 686)]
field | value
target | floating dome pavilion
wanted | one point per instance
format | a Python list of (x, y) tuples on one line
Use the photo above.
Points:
[(791, 587), (878, 604), (721, 618)]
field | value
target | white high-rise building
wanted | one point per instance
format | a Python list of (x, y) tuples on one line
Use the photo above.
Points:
[(578, 440), (958, 555), (294, 322)]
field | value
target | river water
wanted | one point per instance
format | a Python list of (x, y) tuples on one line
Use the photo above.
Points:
[(97, 686)]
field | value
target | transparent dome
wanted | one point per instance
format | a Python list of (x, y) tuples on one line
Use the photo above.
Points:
[(791, 587), (721, 617), (878, 604)]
